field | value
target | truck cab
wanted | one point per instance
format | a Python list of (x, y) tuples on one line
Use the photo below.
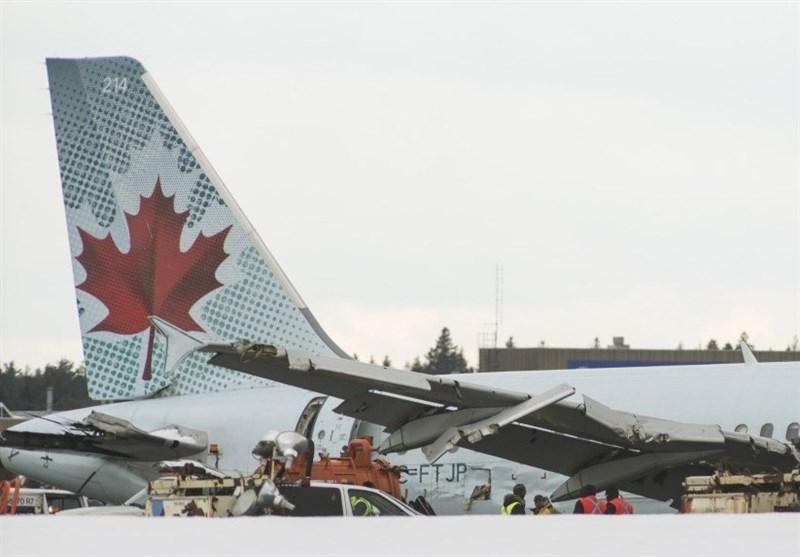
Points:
[(332, 499), (48, 501)]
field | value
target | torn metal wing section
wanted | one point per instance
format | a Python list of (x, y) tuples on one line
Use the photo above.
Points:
[(347, 378), (598, 422), (108, 435), (586, 441)]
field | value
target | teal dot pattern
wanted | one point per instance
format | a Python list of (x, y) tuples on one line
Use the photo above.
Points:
[(113, 141), (229, 313), (114, 359)]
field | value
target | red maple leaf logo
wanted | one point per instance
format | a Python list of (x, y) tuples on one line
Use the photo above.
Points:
[(154, 277)]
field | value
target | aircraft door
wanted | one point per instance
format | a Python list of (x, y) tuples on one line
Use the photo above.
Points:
[(330, 431), (478, 489), (308, 418)]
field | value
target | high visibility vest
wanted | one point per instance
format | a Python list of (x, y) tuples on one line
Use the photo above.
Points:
[(591, 505), (621, 506), (617, 505), (369, 510), (507, 510), (628, 506), (549, 509)]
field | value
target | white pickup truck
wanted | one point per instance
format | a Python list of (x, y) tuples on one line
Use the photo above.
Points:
[(48, 501), (218, 498), (329, 499)]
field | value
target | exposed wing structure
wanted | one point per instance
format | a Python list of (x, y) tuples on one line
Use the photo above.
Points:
[(588, 441), (108, 435)]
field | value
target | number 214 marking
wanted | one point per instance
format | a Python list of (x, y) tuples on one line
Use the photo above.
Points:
[(115, 84)]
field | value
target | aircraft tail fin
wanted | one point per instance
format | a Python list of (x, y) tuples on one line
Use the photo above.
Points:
[(154, 233)]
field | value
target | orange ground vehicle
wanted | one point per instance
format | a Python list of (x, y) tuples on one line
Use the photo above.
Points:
[(355, 466), (9, 496)]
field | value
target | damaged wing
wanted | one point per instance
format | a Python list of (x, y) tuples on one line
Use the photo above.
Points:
[(343, 378), (588, 442), (111, 436)]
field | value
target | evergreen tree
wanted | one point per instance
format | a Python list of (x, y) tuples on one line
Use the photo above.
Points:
[(386, 362), (23, 390), (443, 358), (744, 338), (712, 345), (510, 343)]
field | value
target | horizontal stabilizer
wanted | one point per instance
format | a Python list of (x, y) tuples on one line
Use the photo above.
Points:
[(109, 435)]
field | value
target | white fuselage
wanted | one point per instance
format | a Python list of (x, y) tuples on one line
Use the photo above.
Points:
[(725, 394)]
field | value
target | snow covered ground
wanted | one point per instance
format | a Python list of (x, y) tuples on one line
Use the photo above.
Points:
[(729, 535)]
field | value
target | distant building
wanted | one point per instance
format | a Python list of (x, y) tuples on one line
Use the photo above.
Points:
[(618, 354)]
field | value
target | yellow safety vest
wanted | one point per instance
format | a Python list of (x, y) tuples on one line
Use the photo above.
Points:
[(509, 508), (370, 511)]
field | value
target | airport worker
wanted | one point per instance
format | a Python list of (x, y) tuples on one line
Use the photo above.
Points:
[(615, 504), (587, 503), (512, 504), (520, 491), (361, 507), (542, 505)]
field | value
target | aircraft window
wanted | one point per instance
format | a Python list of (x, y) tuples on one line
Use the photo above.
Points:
[(793, 432), (313, 501), (378, 505), (321, 434), (741, 428), (767, 430)]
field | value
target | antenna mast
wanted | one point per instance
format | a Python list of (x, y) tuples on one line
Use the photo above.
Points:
[(498, 302)]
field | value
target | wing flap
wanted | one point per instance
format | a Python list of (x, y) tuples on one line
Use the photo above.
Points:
[(491, 425), (388, 411), (547, 450)]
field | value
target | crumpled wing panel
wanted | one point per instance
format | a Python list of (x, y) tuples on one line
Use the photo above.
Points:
[(345, 378), (589, 442), (111, 436), (593, 420), (546, 450), (390, 412)]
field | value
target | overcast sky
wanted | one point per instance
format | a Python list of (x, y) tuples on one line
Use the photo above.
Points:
[(633, 167)]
